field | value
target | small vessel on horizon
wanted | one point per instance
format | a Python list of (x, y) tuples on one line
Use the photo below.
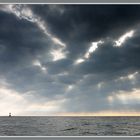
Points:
[(10, 115)]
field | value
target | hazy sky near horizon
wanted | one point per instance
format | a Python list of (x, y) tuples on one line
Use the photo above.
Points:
[(63, 59)]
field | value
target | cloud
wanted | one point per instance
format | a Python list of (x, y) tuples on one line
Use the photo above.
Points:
[(20, 104), (66, 57), (80, 25)]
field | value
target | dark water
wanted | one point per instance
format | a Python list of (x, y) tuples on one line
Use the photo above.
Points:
[(70, 126)]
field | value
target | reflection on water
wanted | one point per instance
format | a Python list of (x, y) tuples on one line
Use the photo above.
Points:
[(70, 126)]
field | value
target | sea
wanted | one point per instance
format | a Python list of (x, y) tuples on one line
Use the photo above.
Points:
[(69, 126)]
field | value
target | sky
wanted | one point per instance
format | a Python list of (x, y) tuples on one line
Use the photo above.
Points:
[(69, 60)]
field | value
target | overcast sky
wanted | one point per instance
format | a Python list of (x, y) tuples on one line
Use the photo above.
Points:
[(70, 59)]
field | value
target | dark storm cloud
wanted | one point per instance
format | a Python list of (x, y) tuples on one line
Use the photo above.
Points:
[(20, 41), (25, 51), (80, 25), (88, 22), (108, 60), (105, 66)]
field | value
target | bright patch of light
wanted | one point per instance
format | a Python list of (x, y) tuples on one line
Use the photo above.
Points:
[(5, 8), (78, 61), (100, 85), (130, 97), (22, 12), (49, 106), (27, 104), (11, 100), (57, 41), (110, 99), (37, 63), (69, 88), (58, 54), (27, 13), (131, 76), (92, 48), (122, 39)]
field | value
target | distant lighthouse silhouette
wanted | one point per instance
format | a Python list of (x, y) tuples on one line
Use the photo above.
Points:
[(9, 114)]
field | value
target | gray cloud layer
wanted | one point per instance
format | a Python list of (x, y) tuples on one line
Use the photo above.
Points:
[(25, 51)]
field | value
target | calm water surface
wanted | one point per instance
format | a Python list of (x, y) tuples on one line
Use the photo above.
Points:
[(70, 126)]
